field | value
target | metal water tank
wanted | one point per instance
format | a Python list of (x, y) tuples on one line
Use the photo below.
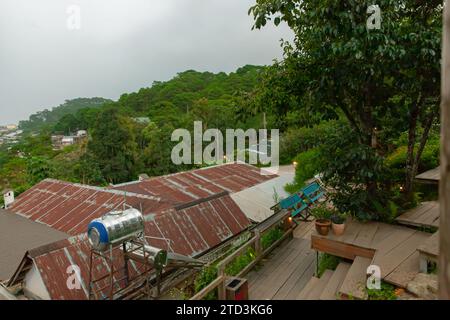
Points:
[(114, 228)]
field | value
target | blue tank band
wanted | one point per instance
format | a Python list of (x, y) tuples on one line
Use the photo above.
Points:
[(101, 230)]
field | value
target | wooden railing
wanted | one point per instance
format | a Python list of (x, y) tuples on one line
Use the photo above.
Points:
[(256, 243)]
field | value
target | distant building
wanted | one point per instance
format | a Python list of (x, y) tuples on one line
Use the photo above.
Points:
[(81, 133), (60, 141), (10, 137), (67, 141), (142, 120), (11, 127)]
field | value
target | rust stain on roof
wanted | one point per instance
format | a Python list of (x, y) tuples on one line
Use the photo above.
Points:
[(187, 213), (188, 186)]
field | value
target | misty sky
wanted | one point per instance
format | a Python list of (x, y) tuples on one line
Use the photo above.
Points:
[(122, 45)]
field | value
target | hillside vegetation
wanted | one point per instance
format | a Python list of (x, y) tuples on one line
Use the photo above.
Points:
[(119, 148)]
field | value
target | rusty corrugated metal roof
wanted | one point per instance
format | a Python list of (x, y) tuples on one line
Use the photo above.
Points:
[(188, 213), (188, 186), (69, 207), (188, 231)]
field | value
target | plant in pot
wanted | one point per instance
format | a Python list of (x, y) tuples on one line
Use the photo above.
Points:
[(323, 222), (338, 223)]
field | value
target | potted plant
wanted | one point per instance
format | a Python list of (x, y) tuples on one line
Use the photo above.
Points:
[(323, 222), (338, 223)]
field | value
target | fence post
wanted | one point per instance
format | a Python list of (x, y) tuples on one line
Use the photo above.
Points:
[(221, 288), (258, 244)]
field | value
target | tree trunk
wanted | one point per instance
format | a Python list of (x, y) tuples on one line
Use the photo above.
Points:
[(410, 155), (423, 141)]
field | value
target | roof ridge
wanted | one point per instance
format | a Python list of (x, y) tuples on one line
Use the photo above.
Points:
[(111, 191)]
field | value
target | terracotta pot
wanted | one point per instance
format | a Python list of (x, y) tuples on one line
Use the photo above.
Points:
[(338, 229), (323, 226)]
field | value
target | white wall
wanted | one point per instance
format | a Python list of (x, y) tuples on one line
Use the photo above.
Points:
[(34, 284)]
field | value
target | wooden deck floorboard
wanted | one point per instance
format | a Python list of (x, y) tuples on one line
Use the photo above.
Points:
[(426, 215), (281, 275)]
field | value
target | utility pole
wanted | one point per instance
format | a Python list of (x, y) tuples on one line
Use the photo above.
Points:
[(444, 186)]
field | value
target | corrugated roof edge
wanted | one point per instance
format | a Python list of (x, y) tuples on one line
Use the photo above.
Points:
[(183, 172), (39, 251)]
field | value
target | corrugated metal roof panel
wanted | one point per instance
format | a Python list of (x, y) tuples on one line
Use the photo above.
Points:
[(70, 207), (207, 216), (187, 186), (189, 231)]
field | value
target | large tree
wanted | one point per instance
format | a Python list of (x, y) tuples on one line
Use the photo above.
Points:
[(113, 147), (384, 80)]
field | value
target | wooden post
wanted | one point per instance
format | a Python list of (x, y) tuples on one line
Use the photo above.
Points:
[(221, 294), (258, 244), (444, 187)]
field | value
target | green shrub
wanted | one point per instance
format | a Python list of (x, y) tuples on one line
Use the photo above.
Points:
[(327, 261), (270, 237), (387, 292), (396, 160), (299, 140), (204, 278), (240, 262), (322, 212), (308, 165)]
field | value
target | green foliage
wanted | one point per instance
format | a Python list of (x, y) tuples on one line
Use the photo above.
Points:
[(327, 262), (396, 160), (119, 148), (38, 169), (298, 140), (387, 292), (357, 172), (270, 237), (322, 212), (388, 212), (48, 118), (384, 82), (209, 274), (308, 165), (204, 278), (240, 262), (113, 147), (339, 217)]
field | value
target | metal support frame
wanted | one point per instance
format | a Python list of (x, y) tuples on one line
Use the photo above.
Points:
[(139, 283)]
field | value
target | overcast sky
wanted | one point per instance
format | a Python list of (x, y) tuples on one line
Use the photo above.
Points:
[(121, 46)]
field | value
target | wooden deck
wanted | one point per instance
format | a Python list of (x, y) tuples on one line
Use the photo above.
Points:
[(284, 274), (430, 176), (392, 248), (426, 215), (401, 252)]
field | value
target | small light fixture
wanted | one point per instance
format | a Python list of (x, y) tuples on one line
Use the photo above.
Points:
[(295, 163), (290, 219), (401, 188)]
